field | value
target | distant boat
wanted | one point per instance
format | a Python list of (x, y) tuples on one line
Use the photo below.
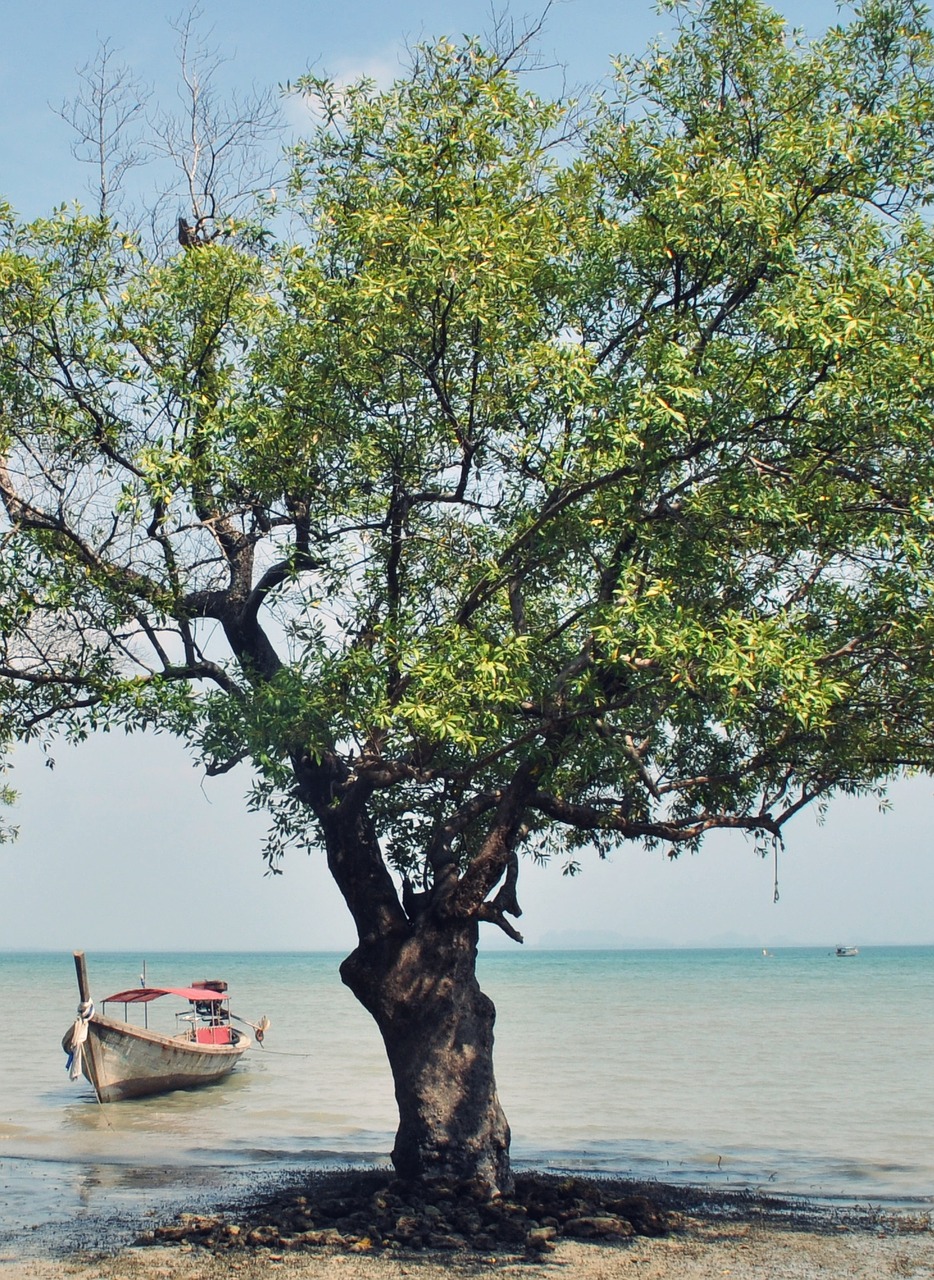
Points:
[(846, 951), (122, 1060), (768, 955)]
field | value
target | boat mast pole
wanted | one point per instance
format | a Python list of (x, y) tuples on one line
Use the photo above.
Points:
[(81, 969)]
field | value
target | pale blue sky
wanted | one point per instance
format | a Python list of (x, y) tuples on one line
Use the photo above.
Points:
[(43, 42), (123, 845)]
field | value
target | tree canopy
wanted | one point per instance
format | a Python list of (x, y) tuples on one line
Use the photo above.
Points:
[(604, 453), (559, 475)]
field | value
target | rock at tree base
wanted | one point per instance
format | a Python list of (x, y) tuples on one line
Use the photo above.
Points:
[(375, 1210)]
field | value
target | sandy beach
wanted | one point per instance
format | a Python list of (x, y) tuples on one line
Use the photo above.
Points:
[(701, 1252), (744, 1237)]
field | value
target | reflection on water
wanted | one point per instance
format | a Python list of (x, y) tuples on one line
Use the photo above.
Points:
[(167, 1119)]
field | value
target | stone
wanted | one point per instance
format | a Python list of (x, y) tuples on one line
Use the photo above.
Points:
[(263, 1235), (598, 1227), (539, 1239), (171, 1233), (439, 1240), (407, 1225), (642, 1213)]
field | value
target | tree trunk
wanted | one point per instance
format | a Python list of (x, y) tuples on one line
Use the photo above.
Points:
[(414, 970), (437, 1026)]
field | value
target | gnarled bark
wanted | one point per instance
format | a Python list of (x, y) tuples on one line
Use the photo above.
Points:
[(437, 1026)]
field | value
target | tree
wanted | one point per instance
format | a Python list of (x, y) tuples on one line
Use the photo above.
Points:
[(104, 116), (551, 488)]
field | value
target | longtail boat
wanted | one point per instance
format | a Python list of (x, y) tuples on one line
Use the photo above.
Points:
[(123, 1060)]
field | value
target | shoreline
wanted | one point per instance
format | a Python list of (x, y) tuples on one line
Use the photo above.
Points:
[(744, 1235)]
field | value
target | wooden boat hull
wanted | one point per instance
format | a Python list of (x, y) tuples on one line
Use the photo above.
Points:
[(122, 1061)]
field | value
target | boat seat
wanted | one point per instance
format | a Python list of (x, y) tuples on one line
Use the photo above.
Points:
[(213, 1035)]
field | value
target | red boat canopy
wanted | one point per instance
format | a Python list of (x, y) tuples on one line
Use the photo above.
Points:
[(142, 995)]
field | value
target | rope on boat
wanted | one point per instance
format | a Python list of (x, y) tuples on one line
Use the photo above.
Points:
[(74, 1041), (290, 1053)]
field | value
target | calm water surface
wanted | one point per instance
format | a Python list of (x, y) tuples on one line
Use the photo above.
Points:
[(797, 1073)]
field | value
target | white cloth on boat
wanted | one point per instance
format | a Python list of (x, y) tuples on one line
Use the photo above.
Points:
[(74, 1042)]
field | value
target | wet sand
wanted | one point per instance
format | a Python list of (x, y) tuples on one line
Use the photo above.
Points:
[(743, 1238)]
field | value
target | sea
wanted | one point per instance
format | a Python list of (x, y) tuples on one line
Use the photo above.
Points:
[(794, 1073)]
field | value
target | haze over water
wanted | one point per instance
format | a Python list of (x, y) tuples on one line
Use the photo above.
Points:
[(796, 1073)]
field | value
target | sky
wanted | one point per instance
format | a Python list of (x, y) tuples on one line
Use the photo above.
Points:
[(125, 846)]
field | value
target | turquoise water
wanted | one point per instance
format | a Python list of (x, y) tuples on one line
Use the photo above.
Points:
[(797, 1073)]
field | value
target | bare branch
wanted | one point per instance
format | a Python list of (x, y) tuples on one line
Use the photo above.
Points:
[(219, 146), (105, 114)]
